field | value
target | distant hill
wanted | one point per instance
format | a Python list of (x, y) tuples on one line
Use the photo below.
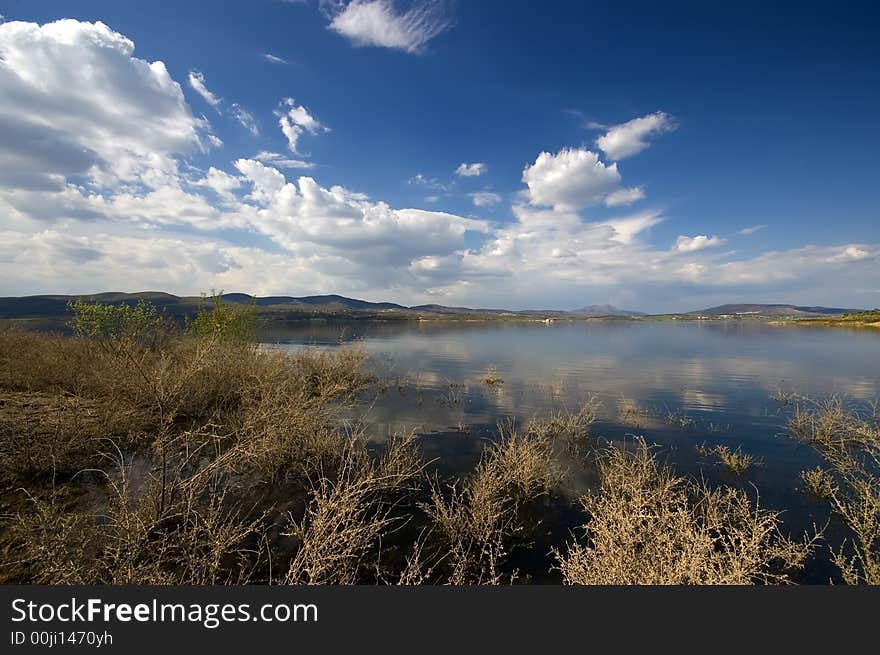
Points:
[(770, 310), (604, 310), (51, 306), (55, 306), (336, 306)]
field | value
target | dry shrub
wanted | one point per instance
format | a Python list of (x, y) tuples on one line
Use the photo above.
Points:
[(351, 510), (571, 427), (849, 442), (735, 461), (491, 378), (37, 362), (196, 539), (206, 415), (336, 374), (819, 483), (476, 521), (647, 526)]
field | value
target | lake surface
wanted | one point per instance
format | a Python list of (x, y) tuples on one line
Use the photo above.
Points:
[(679, 384)]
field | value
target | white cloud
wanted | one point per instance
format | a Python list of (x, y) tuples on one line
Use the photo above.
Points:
[(433, 183), (244, 117), (625, 197), (379, 23), (274, 59), (692, 244), (573, 178), (294, 120), (197, 82), (485, 198), (850, 254), (752, 229), (626, 230), (74, 101), (471, 170), (281, 161), (100, 189), (220, 182), (630, 138)]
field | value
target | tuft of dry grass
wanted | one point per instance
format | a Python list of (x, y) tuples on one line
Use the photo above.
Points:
[(849, 442), (679, 419), (647, 526), (475, 522), (491, 377), (572, 427), (735, 461), (819, 483)]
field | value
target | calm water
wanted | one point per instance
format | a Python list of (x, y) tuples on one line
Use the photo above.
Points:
[(678, 384)]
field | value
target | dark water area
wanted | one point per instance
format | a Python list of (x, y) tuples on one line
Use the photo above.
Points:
[(678, 384)]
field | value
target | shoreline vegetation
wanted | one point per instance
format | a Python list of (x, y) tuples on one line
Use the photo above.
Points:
[(869, 319), (139, 451)]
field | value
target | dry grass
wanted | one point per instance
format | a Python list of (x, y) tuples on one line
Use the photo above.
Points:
[(340, 536), (206, 419), (647, 526), (491, 377), (735, 461), (476, 522), (571, 427), (819, 483), (192, 459), (197, 538), (679, 419), (849, 442)]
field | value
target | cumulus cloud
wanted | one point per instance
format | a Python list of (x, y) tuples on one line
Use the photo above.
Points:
[(197, 82), (624, 197), (850, 254), (699, 242), (471, 170), (59, 118), (630, 138), (295, 120), (573, 178), (485, 198), (220, 182), (380, 23)]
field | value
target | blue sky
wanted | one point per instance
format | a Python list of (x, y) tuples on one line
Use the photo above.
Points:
[(656, 157)]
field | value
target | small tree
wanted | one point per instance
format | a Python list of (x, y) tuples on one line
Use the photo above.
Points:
[(113, 325), (224, 321)]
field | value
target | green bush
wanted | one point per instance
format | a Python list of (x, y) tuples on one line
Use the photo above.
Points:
[(141, 323), (224, 321)]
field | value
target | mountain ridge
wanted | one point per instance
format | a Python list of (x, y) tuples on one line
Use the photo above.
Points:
[(55, 305)]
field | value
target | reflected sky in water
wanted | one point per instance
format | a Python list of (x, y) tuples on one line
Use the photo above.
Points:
[(677, 383)]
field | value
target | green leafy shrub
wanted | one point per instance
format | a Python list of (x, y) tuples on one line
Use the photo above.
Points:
[(223, 321)]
